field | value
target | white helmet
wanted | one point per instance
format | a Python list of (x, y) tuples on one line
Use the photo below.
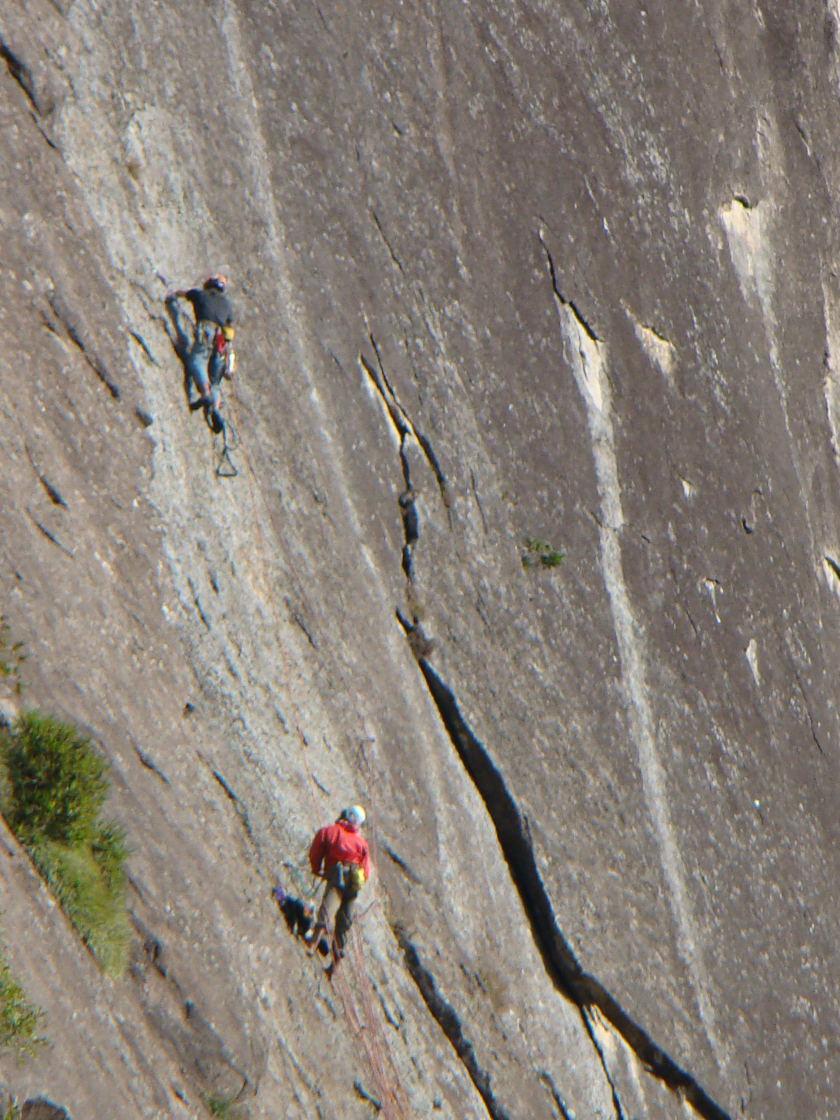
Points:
[(354, 815)]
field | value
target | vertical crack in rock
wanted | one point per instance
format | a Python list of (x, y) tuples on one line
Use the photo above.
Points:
[(813, 721), (402, 421), (449, 1023), (587, 357), (404, 431), (560, 962)]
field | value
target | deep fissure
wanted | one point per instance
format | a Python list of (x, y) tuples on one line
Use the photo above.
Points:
[(560, 962), (513, 831)]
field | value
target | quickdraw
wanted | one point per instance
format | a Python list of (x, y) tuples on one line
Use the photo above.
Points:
[(230, 442)]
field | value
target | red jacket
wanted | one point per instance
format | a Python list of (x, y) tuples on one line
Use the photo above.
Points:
[(339, 843)]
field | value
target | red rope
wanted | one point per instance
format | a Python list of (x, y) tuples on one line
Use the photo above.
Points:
[(370, 1034)]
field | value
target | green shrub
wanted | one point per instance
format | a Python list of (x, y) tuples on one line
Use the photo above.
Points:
[(538, 552), (57, 782), (223, 1108), (55, 785), (19, 1018)]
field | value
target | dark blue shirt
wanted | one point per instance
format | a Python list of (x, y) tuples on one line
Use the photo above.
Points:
[(211, 306)]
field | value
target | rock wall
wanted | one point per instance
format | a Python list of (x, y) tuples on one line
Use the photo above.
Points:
[(505, 273)]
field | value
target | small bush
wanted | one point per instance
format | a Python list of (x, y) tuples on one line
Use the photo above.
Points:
[(55, 786), (57, 782), (19, 1018), (223, 1108), (538, 552)]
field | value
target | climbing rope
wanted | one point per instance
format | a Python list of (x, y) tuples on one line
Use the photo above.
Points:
[(388, 1100), (363, 982), (370, 1032)]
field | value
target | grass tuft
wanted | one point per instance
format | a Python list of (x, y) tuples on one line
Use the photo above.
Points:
[(540, 553), (223, 1107), (92, 898), (19, 1018), (55, 785)]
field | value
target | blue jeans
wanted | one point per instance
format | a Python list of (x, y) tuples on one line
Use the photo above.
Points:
[(201, 365)]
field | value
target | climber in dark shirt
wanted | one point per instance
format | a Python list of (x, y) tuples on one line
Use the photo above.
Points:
[(210, 358), (210, 302)]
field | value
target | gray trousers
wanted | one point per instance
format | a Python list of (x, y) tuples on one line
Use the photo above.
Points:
[(336, 913)]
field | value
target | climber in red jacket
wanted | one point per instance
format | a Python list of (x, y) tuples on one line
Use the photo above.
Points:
[(339, 854)]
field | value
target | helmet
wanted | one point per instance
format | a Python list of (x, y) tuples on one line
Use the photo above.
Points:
[(355, 815), (217, 281)]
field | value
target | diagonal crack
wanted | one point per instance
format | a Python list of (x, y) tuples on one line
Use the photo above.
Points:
[(449, 1023), (593, 337), (393, 255), (808, 709), (559, 960), (50, 536), (403, 422), (52, 492), (20, 72), (63, 313), (147, 762), (559, 1103)]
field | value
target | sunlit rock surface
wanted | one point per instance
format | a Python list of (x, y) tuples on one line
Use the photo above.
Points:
[(506, 273)]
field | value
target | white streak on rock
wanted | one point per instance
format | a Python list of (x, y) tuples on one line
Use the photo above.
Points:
[(749, 231), (660, 353), (587, 359), (751, 654), (688, 489)]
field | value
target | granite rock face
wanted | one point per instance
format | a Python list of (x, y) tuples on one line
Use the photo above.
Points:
[(513, 280)]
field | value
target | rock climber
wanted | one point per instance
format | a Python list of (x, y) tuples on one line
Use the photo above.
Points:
[(211, 358), (339, 854)]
